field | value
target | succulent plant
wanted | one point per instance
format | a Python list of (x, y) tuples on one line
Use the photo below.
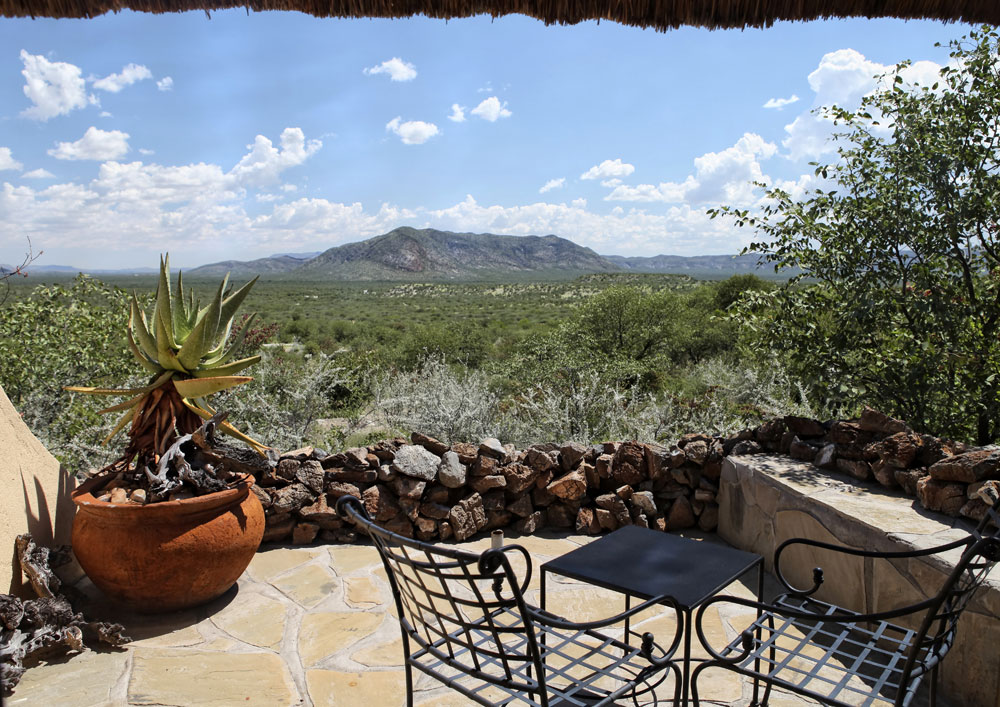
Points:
[(186, 349)]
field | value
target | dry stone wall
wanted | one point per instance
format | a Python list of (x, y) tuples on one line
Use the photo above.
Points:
[(426, 489)]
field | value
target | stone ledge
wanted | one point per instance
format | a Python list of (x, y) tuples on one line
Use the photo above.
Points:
[(765, 500)]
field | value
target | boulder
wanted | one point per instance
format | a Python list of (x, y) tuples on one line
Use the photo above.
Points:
[(644, 501), (451, 471), (380, 503), (430, 444), (519, 478), (467, 517), (804, 426), (466, 451), (969, 467), (696, 451), (304, 533), (570, 454), (413, 460), (681, 515), (826, 458), (408, 487), (571, 486), (291, 498), (874, 421), (941, 496), (491, 447)]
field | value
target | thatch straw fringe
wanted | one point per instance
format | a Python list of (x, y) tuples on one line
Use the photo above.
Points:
[(657, 14)]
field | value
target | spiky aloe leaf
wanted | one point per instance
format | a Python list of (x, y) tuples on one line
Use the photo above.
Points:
[(221, 355), (198, 341), (161, 313), (228, 369), (150, 365), (233, 301), (202, 387), (227, 428), (90, 390), (137, 325), (125, 419), (127, 405), (165, 354), (181, 316)]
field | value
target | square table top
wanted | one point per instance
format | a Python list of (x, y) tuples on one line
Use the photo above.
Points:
[(646, 563)]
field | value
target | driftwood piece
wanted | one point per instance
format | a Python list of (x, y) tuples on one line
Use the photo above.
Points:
[(37, 629)]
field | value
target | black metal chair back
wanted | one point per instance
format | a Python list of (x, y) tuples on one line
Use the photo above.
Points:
[(467, 610)]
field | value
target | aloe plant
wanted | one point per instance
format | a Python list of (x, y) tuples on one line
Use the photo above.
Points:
[(186, 349)]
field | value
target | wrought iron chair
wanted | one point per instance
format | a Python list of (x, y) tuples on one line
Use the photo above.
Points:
[(840, 657), (465, 622)]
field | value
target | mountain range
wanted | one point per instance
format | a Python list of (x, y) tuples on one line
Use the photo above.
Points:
[(427, 254)]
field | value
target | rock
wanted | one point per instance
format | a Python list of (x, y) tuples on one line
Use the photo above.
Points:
[(681, 515), (826, 458), (291, 498), (426, 529), (744, 447), (288, 469), (590, 474), (606, 519), (304, 533), (356, 457), (541, 497), (408, 487), (531, 524), (770, 431), (467, 517), (519, 478), (319, 512), (908, 478), (970, 467), (484, 466), (708, 520), (277, 528), (899, 450), (677, 458), (262, 495), (138, 496), (310, 474), (384, 450), (466, 451), (587, 522), (704, 496), (451, 471), (352, 476), (482, 484), (522, 507), (542, 459), (497, 519), (696, 451), (858, 469), (628, 464), (560, 516), (884, 474), (437, 494), (941, 496), (571, 486), (400, 525), (436, 511), (570, 454), (413, 460), (491, 447), (300, 454), (687, 476), (603, 465), (493, 500), (644, 501), (624, 492), (385, 474), (804, 426), (874, 421), (445, 530), (847, 433), (410, 507), (801, 450), (380, 503), (336, 489), (786, 442), (657, 459), (119, 495), (430, 444)]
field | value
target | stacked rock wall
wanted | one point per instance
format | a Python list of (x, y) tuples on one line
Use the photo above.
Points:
[(430, 490)]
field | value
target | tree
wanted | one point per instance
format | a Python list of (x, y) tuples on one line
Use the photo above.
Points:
[(903, 251)]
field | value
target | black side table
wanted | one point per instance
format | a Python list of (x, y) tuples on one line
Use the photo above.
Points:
[(645, 563)]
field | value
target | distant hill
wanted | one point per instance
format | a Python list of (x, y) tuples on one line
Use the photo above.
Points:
[(696, 265), (275, 264)]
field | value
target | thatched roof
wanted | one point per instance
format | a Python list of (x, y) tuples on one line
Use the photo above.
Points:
[(657, 14)]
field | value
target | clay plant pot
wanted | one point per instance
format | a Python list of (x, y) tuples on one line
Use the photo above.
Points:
[(169, 555)]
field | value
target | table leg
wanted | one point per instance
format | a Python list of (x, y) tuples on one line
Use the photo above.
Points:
[(686, 672), (756, 662)]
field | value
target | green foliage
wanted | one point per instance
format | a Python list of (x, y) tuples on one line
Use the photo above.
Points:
[(903, 247)]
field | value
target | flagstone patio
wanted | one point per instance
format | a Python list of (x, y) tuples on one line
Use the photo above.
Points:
[(315, 626)]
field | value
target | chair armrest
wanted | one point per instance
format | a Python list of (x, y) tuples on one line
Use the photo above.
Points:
[(836, 615), (845, 550)]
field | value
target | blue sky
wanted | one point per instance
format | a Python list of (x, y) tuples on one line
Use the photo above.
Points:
[(245, 135)]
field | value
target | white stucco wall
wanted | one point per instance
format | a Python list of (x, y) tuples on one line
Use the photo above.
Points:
[(34, 495)]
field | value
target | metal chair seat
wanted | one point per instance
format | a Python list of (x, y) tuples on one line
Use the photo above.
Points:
[(855, 663), (582, 667)]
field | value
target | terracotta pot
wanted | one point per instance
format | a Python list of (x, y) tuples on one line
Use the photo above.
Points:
[(169, 555)]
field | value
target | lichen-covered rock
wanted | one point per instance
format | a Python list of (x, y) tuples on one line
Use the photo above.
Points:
[(310, 474), (941, 496), (520, 478), (467, 517), (413, 460), (696, 451), (451, 471), (291, 498)]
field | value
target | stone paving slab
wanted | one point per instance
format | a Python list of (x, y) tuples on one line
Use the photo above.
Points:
[(312, 627)]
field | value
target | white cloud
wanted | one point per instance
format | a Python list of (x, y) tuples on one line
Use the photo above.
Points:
[(719, 177), (129, 75), (38, 174), (7, 160), (609, 169), (457, 113), (491, 109), (779, 103), (397, 69), (262, 165), (552, 184), (412, 132), (288, 188), (611, 183), (165, 84), (105, 114), (144, 151), (54, 88), (580, 203), (96, 144)]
